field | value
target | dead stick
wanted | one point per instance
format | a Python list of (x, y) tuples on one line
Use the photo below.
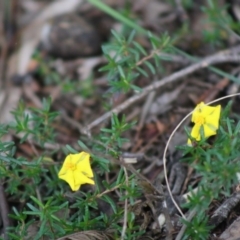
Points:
[(221, 57)]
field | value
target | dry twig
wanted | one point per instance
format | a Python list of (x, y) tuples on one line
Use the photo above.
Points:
[(222, 212)]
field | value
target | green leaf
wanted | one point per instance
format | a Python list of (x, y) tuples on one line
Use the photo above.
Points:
[(131, 36), (70, 149), (117, 36), (37, 201), (136, 88), (34, 209), (103, 162), (229, 127), (164, 57), (143, 72), (83, 146), (106, 130), (140, 48), (121, 72), (237, 129), (150, 66), (120, 178), (109, 200), (116, 15), (156, 61)]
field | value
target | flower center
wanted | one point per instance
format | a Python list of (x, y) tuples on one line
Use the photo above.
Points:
[(199, 119), (71, 166)]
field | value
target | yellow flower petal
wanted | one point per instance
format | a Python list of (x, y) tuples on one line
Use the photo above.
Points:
[(82, 179), (68, 177), (83, 160), (205, 116), (195, 133), (209, 130), (204, 111), (76, 170), (213, 118)]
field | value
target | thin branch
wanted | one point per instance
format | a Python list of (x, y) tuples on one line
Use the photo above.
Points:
[(109, 190), (154, 52), (221, 57)]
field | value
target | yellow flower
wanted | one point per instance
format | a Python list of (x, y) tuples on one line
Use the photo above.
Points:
[(206, 117), (76, 170)]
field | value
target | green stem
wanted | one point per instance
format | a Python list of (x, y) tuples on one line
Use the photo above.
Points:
[(117, 16)]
